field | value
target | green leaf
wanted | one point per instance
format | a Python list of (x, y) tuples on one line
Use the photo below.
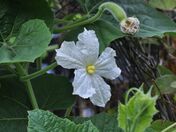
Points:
[(137, 114), (103, 121), (153, 23), (14, 105), (13, 13), (166, 83), (105, 31), (50, 91), (163, 4), (160, 125), (45, 121), (163, 70), (53, 92), (31, 42), (88, 5)]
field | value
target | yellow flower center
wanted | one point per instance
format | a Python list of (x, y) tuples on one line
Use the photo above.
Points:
[(90, 69)]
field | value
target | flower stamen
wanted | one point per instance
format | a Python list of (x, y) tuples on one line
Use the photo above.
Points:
[(90, 69)]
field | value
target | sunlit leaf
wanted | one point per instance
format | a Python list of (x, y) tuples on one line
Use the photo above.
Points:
[(137, 114)]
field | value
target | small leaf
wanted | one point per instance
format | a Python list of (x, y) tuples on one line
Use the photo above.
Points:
[(137, 114), (31, 42), (160, 125), (173, 84), (103, 121), (164, 83), (163, 70), (45, 121)]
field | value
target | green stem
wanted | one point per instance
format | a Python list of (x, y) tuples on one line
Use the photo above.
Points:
[(39, 63), (39, 73), (52, 47), (28, 85), (68, 111), (127, 94), (169, 127), (31, 94), (7, 76), (117, 12)]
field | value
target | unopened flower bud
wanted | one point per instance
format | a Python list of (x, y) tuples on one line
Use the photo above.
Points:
[(130, 25)]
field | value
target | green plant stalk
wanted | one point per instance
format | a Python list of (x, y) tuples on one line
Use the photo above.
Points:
[(126, 101), (39, 63), (8, 76), (169, 127), (128, 93), (117, 12), (68, 111), (38, 73), (28, 85), (52, 47)]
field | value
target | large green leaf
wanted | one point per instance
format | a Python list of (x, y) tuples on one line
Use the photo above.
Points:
[(13, 13), (137, 114), (14, 105), (163, 4), (50, 91), (31, 42), (153, 23), (45, 121), (166, 83), (53, 92), (103, 121), (105, 31)]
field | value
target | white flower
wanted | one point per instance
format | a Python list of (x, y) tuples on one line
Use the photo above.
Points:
[(83, 56), (130, 25)]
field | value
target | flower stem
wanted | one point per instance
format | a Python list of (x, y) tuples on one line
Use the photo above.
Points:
[(28, 85), (38, 73), (117, 12), (169, 127)]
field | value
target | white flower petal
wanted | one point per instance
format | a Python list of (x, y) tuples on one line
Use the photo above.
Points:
[(103, 91), (82, 84), (106, 65), (69, 56), (88, 45)]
